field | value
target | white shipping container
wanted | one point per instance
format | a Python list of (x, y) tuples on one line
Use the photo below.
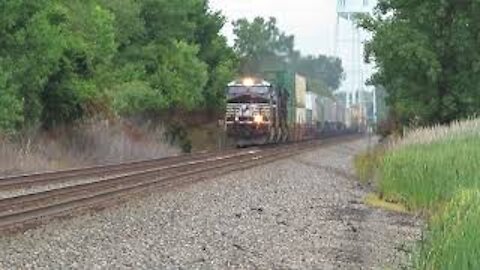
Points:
[(313, 104), (300, 91), (310, 120), (348, 118), (301, 116), (328, 109), (358, 116), (340, 113), (311, 99)]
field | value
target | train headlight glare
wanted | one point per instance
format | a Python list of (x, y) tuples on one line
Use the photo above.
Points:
[(258, 119), (248, 82)]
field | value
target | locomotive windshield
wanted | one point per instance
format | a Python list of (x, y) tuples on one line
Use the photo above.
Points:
[(248, 94), (236, 90)]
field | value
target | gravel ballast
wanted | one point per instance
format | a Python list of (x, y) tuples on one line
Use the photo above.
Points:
[(306, 212)]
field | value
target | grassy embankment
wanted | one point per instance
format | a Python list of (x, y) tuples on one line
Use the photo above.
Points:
[(435, 171)]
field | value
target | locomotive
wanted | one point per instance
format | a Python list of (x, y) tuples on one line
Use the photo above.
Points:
[(256, 112), (280, 109)]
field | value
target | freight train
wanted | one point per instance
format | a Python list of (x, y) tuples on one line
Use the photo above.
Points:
[(279, 108)]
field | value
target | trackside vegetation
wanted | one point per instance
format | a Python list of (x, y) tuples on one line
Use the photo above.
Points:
[(65, 61), (436, 172), (453, 238), (422, 176)]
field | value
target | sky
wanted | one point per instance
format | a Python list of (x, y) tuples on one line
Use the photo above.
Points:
[(311, 21)]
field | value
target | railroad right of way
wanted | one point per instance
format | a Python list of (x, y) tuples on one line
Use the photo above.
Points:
[(118, 182), (301, 212)]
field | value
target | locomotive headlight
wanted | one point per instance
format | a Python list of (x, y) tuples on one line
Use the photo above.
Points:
[(258, 119), (248, 82)]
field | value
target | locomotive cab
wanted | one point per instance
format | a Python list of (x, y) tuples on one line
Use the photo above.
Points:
[(251, 111)]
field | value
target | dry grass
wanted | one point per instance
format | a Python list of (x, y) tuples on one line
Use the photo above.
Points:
[(375, 201), (367, 163), (15, 159), (429, 135), (89, 144)]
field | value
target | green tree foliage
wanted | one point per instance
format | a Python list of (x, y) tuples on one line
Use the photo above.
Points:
[(173, 52), (262, 46), (11, 113), (221, 60), (427, 57), (53, 51), (323, 68), (63, 60)]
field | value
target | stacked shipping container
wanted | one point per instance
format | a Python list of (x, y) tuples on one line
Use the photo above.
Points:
[(307, 109), (300, 99), (313, 108), (296, 88)]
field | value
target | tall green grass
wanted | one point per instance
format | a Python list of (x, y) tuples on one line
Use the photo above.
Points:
[(453, 238), (437, 171), (424, 175)]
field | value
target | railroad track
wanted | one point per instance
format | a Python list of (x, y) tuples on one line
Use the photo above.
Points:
[(109, 184), (59, 177)]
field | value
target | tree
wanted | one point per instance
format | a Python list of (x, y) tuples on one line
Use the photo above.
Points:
[(221, 59), (427, 58), (179, 53), (11, 111), (262, 46), (64, 60), (52, 51), (322, 68)]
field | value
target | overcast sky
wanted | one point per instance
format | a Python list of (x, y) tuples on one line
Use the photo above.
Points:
[(311, 21)]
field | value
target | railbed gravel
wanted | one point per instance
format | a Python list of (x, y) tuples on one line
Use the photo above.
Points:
[(306, 212)]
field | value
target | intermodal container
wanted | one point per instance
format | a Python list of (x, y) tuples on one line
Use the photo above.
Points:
[(313, 107), (301, 116), (296, 87), (309, 117), (300, 91), (328, 110)]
